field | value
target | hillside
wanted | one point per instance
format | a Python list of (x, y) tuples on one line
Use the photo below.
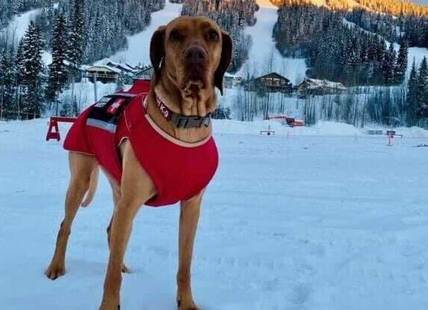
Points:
[(138, 45), (264, 57), (394, 7)]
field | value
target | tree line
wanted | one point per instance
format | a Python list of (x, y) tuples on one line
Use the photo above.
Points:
[(75, 32), (338, 50), (104, 24)]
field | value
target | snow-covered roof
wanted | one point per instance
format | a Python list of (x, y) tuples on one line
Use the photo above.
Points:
[(121, 66), (69, 64), (315, 83), (272, 74), (103, 68)]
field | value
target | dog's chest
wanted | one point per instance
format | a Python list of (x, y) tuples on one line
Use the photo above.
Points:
[(178, 171)]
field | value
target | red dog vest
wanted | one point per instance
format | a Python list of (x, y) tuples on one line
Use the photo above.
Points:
[(178, 170)]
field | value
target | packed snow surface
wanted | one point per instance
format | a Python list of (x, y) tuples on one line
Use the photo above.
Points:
[(302, 219)]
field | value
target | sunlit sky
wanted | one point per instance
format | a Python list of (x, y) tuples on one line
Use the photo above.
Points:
[(421, 1)]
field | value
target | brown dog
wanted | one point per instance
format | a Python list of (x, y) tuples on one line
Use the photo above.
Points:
[(190, 56)]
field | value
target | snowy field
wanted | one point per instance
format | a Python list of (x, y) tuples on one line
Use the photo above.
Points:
[(315, 218), (299, 220)]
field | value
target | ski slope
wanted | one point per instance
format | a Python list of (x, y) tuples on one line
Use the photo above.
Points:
[(261, 52), (139, 44), (263, 56)]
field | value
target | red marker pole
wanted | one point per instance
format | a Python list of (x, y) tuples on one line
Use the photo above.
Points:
[(390, 138)]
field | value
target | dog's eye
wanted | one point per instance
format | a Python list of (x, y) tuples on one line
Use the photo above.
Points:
[(175, 36), (213, 35)]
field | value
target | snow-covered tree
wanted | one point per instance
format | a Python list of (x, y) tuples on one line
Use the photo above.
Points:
[(31, 70), (57, 69), (401, 64), (422, 83), (411, 98), (388, 65), (76, 35), (7, 84)]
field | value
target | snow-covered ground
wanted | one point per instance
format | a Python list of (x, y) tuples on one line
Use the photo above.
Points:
[(311, 218), (263, 57), (303, 220)]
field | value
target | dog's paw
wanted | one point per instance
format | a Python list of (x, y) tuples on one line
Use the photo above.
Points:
[(109, 306), (187, 306), (54, 271), (125, 269)]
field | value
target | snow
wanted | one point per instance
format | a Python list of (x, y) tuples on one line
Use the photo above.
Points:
[(84, 93), (19, 24), (263, 56), (17, 27), (139, 44), (416, 54), (321, 217), (315, 83), (311, 218), (262, 51), (304, 220)]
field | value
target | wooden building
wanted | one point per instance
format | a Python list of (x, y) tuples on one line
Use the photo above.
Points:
[(319, 87), (102, 73), (123, 67), (272, 82)]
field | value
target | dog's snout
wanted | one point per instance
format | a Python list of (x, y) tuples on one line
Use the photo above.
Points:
[(195, 55)]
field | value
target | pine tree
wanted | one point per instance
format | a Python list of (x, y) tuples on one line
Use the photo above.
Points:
[(57, 69), (411, 99), (20, 63), (422, 83), (388, 65), (76, 36), (401, 64), (31, 66), (7, 85)]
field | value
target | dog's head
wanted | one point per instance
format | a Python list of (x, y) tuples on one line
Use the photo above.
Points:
[(193, 53)]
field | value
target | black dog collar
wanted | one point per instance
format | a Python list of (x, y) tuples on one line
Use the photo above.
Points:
[(181, 120)]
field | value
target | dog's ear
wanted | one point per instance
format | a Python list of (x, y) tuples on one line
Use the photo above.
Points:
[(157, 52), (226, 57)]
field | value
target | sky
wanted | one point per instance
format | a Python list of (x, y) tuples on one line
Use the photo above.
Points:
[(425, 2)]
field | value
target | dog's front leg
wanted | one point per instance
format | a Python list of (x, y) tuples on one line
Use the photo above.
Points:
[(189, 217), (120, 232), (136, 189)]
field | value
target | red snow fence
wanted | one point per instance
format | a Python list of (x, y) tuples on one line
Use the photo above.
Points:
[(53, 129)]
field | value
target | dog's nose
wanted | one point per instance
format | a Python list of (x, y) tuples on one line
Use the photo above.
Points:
[(195, 55)]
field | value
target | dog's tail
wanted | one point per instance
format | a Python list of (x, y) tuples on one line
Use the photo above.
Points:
[(93, 182)]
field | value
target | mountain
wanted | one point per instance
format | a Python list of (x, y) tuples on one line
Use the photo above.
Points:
[(315, 41)]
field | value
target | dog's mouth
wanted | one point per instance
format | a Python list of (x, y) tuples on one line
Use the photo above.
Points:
[(194, 80), (192, 88)]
